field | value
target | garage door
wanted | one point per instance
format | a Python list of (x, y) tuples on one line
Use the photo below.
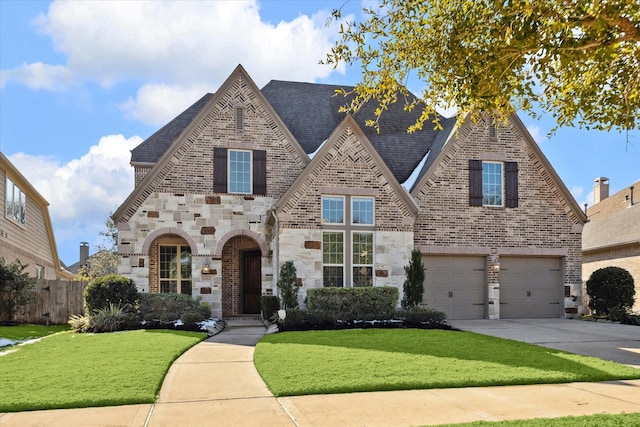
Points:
[(530, 287), (455, 285)]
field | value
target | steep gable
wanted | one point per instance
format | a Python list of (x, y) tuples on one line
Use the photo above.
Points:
[(347, 164), (187, 166), (400, 150)]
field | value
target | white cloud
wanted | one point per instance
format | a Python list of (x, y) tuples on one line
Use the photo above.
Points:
[(82, 192), (158, 104), (37, 76), (175, 47), (537, 134), (179, 42)]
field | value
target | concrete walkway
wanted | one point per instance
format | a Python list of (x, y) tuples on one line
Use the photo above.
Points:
[(215, 383)]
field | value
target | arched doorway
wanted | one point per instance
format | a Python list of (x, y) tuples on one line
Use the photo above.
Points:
[(241, 276)]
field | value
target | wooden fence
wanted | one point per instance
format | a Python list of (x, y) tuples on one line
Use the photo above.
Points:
[(53, 302)]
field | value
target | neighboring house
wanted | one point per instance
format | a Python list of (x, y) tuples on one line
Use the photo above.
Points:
[(84, 257), (26, 233), (612, 235), (246, 179)]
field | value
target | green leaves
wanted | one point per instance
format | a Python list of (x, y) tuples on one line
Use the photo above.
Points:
[(578, 60)]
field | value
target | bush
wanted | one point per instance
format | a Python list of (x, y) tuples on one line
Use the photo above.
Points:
[(167, 308), (110, 319), (416, 317), (611, 292), (287, 285), (354, 303), (413, 286), (15, 289), (112, 289), (80, 323), (269, 306)]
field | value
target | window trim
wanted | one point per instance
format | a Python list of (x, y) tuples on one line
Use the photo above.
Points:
[(344, 213), (21, 204), (229, 171), (179, 278), (348, 229), (373, 211), (502, 185)]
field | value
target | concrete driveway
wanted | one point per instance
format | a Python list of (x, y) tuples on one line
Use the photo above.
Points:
[(606, 340)]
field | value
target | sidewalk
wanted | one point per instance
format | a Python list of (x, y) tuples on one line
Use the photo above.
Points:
[(215, 383)]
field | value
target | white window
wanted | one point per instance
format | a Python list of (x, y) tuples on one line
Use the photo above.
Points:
[(347, 241), (492, 184), (175, 269), (240, 178), (15, 203)]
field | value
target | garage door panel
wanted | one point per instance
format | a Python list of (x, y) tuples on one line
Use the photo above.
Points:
[(455, 285), (530, 287)]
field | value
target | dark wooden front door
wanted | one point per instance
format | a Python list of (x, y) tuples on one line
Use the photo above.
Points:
[(252, 281)]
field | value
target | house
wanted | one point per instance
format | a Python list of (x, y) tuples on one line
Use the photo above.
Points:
[(26, 233), (612, 235), (246, 179)]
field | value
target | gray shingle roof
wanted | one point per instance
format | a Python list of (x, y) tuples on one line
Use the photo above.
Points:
[(319, 105), (157, 144), (310, 111)]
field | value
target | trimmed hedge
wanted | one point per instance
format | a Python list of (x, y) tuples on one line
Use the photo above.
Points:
[(107, 290), (166, 308), (354, 303)]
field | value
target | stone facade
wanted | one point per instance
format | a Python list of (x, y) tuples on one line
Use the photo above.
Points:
[(175, 202)]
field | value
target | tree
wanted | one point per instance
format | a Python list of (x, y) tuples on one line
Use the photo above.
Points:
[(577, 59), (15, 289), (105, 261), (611, 291), (287, 285), (414, 284)]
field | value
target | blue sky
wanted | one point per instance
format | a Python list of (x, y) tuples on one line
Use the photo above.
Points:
[(82, 83)]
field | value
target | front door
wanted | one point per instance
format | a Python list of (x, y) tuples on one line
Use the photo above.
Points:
[(251, 281)]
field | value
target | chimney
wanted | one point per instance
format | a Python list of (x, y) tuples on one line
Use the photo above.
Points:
[(600, 189), (631, 202), (84, 252)]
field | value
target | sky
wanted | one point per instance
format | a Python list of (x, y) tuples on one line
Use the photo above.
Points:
[(83, 82)]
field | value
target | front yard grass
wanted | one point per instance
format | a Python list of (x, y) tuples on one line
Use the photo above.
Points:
[(600, 420), (345, 361), (70, 370), (29, 331)]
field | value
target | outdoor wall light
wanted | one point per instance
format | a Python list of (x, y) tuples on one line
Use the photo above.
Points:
[(205, 269), (496, 266)]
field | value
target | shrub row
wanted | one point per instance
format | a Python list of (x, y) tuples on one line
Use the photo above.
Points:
[(414, 317), (365, 303)]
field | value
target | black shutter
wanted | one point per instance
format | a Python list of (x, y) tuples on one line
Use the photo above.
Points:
[(219, 170), (475, 182), (260, 172), (511, 184)]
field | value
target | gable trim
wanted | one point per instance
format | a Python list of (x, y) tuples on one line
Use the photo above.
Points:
[(169, 230), (335, 135), (143, 190)]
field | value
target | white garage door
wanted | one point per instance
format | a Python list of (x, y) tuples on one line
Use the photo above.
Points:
[(455, 285), (530, 287)]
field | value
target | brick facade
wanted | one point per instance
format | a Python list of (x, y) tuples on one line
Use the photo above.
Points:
[(542, 225)]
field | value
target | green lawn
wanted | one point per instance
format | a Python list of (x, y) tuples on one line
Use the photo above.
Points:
[(318, 362), (70, 370), (600, 420), (25, 332)]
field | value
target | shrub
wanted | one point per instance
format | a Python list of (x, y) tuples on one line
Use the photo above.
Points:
[(611, 290), (416, 316), (167, 308), (15, 289), (110, 319), (413, 286), (287, 285), (80, 323), (112, 289), (269, 306), (354, 303)]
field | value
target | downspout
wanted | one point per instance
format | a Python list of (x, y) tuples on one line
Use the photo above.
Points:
[(276, 253)]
